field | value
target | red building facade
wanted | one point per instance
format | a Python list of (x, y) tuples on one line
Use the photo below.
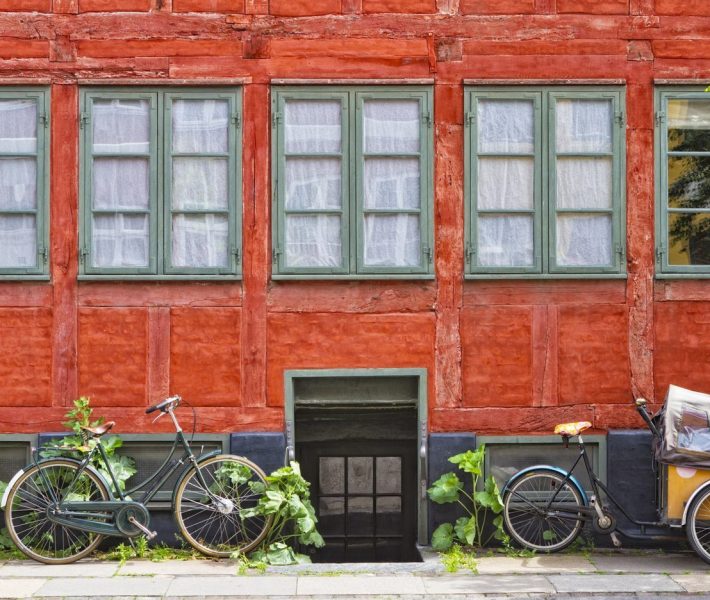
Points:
[(504, 352)]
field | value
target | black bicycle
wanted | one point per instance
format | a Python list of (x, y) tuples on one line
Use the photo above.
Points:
[(57, 510)]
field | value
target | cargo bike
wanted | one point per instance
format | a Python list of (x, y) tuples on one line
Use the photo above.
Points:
[(546, 508)]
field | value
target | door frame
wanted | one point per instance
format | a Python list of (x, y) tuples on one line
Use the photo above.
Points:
[(290, 377)]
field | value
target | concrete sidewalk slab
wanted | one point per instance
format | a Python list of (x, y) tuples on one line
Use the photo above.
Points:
[(488, 584), (495, 565), (19, 568), (670, 563), (101, 587), (179, 567), (693, 582), (185, 587), (20, 588), (353, 585), (597, 583)]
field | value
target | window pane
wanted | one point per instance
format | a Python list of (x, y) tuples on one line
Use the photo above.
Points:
[(389, 475), (18, 241), (689, 182), (584, 182), (200, 125), (505, 241), (389, 515), (200, 241), (121, 126), (313, 126), (392, 183), (331, 474), (689, 125), (506, 183), (313, 183), (506, 126), (584, 240), (120, 241), (331, 516), (18, 184), (200, 183), (584, 125), (313, 241), (392, 241), (18, 125), (689, 239), (121, 184), (391, 126), (360, 517), (360, 475)]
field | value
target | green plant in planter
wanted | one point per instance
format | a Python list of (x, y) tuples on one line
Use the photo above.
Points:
[(123, 467), (470, 529), (285, 496)]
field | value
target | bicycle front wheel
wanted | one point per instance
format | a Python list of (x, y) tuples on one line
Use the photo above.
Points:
[(697, 525), (209, 502), (540, 511), (29, 500)]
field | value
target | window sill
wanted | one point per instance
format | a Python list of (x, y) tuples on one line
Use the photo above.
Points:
[(363, 277), (11, 277), (543, 276), (117, 277), (667, 276)]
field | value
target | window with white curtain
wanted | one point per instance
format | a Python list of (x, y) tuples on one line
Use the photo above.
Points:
[(683, 171), (161, 182), (545, 181), (24, 157), (352, 171)]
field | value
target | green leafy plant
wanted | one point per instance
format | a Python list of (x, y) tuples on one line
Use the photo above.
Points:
[(77, 445), (456, 558), (5, 540), (285, 497), (470, 529)]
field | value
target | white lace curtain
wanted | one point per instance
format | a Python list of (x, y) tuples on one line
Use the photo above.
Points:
[(18, 183)]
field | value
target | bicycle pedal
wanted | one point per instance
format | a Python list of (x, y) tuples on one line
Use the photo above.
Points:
[(147, 532), (615, 539)]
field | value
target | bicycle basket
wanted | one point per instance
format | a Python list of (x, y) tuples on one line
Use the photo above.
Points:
[(685, 428)]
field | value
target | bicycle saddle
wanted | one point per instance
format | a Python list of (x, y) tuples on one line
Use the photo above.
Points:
[(572, 429), (99, 430)]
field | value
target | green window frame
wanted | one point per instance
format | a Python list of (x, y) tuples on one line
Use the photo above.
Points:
[(353, 181), (682, 214), (538, 158), (163, 211), (15, 98)]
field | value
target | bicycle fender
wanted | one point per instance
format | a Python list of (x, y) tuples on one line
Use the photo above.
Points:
[(688, 504), (10, 483), (558, 470), (189, 466)]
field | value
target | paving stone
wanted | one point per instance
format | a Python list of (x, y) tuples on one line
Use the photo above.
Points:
[(651, 582), (656, 563), (353, 585), (101, 587), (178, 567), (80, 569), (19, 588), (537, 564), (693, 582), (487, 584), (233, 586)]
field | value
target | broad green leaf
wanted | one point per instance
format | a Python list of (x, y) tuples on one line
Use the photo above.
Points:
[(498, 524), (491, 487), (470, 531), (459, 528), (470, 461), (272, 501), (445, 489), (280, 554), (296, 508), (548, 535), (306, 524), (312, 538), (443, 537)]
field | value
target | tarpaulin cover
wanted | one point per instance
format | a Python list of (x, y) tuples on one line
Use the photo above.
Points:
[(684, 425)]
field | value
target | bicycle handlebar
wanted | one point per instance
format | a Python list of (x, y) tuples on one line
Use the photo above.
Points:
[(641, 408), (173, 401)]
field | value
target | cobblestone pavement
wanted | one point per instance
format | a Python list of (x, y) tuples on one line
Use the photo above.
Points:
[(596, 576)]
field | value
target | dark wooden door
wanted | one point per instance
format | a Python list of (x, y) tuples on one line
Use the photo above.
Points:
[(364, 493)]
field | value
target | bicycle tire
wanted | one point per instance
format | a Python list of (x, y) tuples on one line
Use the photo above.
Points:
[(214, 528), (34, 534), (697, 525), (526, 518)]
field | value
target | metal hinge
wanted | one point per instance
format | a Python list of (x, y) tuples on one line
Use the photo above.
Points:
[(619, 118), (276, 119), (275, 255), (470, 253), (429, 253), (470, 119), (44, 253), (43, 121), (621, 251), (426, 119), (237, 120), (84, 120), (83, 253), (660, 118), (236, 254), (660, 251)]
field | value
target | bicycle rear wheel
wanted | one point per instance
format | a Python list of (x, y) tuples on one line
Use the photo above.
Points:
[(209, 514), (539, 511), (697, 525), (29, 500)]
